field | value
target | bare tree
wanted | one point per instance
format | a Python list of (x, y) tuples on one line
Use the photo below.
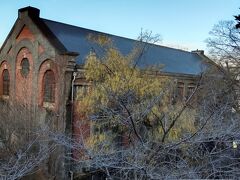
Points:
[(25, 145), (206, 152), (224, 45), (237, 18), (148, 136), (137, 131)]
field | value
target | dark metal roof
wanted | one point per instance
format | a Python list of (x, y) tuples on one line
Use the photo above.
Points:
[(75, 39)]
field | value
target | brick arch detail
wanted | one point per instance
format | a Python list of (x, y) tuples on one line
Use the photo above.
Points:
[(24, 84), (4, 65), (24, 43), (47, 65)]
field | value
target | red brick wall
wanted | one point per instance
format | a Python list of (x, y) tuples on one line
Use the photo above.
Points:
[(25, 34), (24, 84), (81, 129), (81, 125)]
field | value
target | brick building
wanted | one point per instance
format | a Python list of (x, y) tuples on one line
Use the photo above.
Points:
[(39, 57)]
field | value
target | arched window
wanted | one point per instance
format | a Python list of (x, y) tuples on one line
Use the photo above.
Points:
[(6, 82), (25, 67), (180, 91), (49, 85)]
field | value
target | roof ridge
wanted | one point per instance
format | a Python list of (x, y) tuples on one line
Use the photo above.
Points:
[(116, 36), (75, 39)]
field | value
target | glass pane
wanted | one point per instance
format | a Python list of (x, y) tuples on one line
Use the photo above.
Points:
[(49, 87), (6, 82), (191, 88), (81, 91), (180, 91), (25, 67)]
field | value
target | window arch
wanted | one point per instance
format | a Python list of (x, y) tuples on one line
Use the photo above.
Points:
[(49, 85), (6, 82)]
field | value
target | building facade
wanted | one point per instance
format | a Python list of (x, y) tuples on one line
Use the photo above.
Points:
[(41, 65)]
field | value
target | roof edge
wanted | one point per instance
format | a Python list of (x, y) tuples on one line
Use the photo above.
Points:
[(34, 14), (108, 34)]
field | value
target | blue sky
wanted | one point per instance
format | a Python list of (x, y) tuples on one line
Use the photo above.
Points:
[(181, 23)]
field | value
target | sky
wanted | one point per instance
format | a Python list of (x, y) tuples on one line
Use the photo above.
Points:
[(181, 23)]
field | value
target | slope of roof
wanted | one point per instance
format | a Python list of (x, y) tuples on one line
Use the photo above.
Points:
[(75, 39)]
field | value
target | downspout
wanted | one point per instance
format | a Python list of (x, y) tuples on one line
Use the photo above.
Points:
[(72, 100), (72, 114), (74, 77), (71, 175)]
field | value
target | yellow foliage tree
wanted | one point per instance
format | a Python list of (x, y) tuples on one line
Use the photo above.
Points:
[(124, 98)]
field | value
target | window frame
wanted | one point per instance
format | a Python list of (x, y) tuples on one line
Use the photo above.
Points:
[(5, 83), (190, 89), (25, 67), (80, 91), (49, 87), (180, 91)]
